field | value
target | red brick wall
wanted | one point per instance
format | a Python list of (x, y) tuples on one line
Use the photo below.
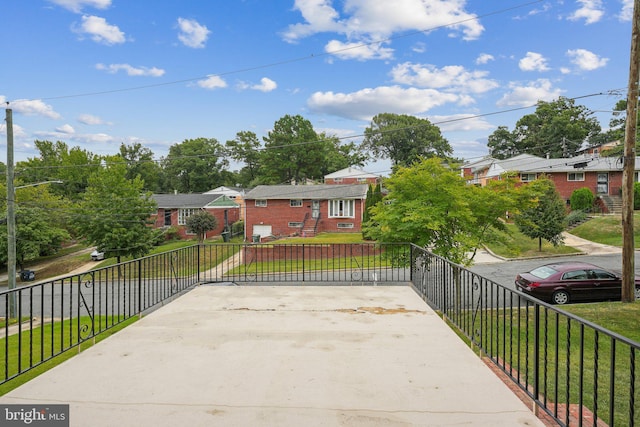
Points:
[(278, 214), (565, 187), (233, 215)]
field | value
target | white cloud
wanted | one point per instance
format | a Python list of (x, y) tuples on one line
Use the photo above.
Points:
[(461, 122), (524, 96), (34, 107), (100, 31), (91, 120), (591, 11), (533, 62), (77, 5), (626, 14), (192, 34), (130, 70), (360, 51), (484, 58), (586, 60), (365, 21), (67, 128), (18, 131), (212, 82), (448, 77), (366, 103), (266, 85)]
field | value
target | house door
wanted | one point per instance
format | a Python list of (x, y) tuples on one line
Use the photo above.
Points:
[(603, 183), (167, 217), (315, 209)]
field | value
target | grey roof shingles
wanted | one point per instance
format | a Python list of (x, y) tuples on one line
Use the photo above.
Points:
[(184, 200), (309, 192)]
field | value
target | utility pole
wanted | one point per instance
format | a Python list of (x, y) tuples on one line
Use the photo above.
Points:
[(628, 172), (11, 219)]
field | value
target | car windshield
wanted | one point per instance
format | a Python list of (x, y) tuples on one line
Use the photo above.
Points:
[(543, 272)]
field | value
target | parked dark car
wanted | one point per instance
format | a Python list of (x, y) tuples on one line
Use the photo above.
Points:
[(563, 282)]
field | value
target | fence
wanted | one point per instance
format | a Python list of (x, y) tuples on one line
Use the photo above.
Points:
[(574, 370)]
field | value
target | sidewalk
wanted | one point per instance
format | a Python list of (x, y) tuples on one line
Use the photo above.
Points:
[(282, 356)]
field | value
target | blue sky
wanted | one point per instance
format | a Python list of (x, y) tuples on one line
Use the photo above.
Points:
[(98, 73)]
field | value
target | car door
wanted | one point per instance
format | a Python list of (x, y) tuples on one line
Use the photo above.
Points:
[(606, 284), (578, 284)]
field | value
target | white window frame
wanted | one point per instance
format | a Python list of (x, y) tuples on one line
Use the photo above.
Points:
[(261, 203), (345, 225), (295, 203), (524, 177), (342, 208), (575, 176), (362, 180), (184, 213)]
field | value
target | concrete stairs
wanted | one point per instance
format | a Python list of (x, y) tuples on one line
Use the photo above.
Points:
[(613, 203)]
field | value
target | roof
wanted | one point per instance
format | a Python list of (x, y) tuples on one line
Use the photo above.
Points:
[(526, 163), (227, 191), (351, 172), (312, 192), (177, 201)]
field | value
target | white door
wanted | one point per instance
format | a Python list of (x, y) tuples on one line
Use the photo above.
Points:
[(315, 209)]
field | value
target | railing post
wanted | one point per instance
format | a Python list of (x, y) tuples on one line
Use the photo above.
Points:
[(198, 262), (536, 357), (140, 288)]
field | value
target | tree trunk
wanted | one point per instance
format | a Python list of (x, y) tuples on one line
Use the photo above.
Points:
[(539, 244)]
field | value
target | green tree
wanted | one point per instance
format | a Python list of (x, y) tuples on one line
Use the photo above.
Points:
[(201, 222), (557, 128), (140, 162), (404, 139), (246, 148), (339, 155), (501, 143), (57, 162), (39, 224), (293, 152), (114, 213), (431, 205), (374, 196), (545, 218), (195, 165)]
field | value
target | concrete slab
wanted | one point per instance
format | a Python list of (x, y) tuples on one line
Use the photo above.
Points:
[(280, 356)]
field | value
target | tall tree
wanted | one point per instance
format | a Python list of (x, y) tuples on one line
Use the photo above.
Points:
[(432, 206), (404, 139), (57, 162), (501, 143), (115, 212), (339, 155), (557, 129), (140, 162), (293, 151), (545, 218), (245, 148), (195, 165)]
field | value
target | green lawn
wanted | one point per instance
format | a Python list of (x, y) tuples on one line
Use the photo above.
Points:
[(514, 244), (607, 229), (326, 238)]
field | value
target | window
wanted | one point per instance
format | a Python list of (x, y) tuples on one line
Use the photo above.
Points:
[(362, 180), (341, 209), (345, 225), (183, 214), (295, 224), (527, 177), (295, 203), (261, 203), (575, 176), (575, 275), (337, 180)]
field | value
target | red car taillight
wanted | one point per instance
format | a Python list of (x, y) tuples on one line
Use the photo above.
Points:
[(534, 284)]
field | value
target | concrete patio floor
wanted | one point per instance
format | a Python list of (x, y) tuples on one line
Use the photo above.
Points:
[(281, 356)]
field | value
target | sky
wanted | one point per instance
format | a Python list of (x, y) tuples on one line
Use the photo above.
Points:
[(96, 74)]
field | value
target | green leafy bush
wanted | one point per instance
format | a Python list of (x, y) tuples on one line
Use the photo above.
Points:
[(575, 217), (582, 199)]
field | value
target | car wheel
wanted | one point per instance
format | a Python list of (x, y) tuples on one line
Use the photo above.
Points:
[(560, 297), (637, 294)]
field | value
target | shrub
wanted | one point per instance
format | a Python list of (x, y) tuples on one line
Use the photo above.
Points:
[(582, 199), (575, 217), (171, 233), (237, 228)]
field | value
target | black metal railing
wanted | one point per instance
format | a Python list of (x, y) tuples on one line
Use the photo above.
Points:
[(577, 372)]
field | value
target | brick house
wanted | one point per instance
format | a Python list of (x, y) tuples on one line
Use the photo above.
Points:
[(352, 175), (602, 175), (305, 210), (174, 209)]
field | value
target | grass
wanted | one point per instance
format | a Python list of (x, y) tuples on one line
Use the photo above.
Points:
[(48, 345), (567, 351), (514, 244), (325, 238), (607, 229)]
